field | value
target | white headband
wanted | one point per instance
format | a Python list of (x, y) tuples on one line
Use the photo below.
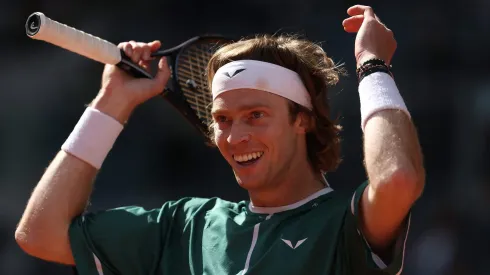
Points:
[(253, 74)]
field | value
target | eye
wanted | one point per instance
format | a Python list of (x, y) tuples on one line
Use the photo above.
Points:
[(257, 114), (220, 119)]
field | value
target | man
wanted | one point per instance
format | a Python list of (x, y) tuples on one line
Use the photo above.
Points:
[(271, 125)]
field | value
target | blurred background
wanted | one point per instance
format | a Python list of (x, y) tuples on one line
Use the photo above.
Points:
[(441, 68)]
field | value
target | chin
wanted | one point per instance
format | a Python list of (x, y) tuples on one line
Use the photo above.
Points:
[(251, 174), (249, 182)]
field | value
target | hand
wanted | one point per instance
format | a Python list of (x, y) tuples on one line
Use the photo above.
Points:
[(374, 39), (120, 92)]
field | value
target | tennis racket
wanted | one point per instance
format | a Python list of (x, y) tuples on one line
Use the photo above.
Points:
[(187, 89)]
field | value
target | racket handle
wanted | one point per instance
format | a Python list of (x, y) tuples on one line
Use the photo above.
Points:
[(41, 27)]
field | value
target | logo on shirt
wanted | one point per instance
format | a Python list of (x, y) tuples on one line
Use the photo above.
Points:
[(231, 74), (290, 244)]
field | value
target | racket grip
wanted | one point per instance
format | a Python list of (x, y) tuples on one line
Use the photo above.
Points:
[(41, 27)]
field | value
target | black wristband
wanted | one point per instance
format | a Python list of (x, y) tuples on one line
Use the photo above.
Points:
[(371, 66), (371, 70), (375, 61)]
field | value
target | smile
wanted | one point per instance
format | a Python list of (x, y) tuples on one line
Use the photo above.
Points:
[(249, 158)]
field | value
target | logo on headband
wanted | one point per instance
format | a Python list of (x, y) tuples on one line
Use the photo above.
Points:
[(233, 73)]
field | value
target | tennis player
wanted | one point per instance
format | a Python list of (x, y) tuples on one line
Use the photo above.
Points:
[(271, 124)]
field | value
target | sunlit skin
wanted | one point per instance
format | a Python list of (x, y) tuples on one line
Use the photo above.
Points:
[(248, 121)]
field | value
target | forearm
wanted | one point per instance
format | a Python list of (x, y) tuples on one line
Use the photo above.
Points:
[(61, 194), (391, 148)]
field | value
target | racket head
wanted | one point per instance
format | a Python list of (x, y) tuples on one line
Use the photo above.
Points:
[(188, 89)]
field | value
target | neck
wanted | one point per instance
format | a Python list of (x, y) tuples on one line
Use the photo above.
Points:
[(292, 187)]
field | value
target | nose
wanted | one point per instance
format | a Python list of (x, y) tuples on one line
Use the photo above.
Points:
[(238, 134)]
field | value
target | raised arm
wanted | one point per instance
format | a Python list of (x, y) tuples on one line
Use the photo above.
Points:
[(393, 161), (393, 157), (64, 189)]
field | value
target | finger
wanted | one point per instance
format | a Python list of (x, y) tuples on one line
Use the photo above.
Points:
[(162, 75), (353, 24), (145, 51), (155, 45), (126, 47), (121, 45), (367, 11), (137, 51)]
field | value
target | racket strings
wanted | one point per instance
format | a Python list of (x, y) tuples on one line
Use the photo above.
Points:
[(192, 77)]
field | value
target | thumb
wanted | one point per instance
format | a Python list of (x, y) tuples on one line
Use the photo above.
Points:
[(369, 17), (162, 75), (369, 13)]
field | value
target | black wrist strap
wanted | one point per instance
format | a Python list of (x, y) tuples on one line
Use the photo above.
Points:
[(372, 66)]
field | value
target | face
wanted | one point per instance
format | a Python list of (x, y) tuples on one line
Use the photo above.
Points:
[(254, 133)]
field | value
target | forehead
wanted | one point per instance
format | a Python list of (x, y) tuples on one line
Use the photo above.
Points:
[(247, 98)]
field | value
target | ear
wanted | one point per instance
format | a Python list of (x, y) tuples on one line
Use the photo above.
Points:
[(302, 123)]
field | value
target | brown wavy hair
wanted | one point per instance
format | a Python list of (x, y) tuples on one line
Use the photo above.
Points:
[(317, 71)]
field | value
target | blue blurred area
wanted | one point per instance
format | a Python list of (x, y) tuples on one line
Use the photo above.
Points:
[(441, 68)]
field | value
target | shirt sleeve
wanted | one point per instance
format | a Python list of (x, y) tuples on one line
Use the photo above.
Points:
[(124, 240), (370, 260)]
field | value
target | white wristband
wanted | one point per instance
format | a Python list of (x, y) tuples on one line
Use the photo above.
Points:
[(377, 92), (93, 137)]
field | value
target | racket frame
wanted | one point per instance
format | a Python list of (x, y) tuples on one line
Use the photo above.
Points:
[(173, 92)]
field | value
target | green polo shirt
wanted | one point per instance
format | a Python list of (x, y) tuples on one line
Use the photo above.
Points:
[(318, 235)]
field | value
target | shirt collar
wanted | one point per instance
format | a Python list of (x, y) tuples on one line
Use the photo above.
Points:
[(273, 210)]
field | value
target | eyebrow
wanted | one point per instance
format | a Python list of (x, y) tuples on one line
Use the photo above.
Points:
[(242, 108)]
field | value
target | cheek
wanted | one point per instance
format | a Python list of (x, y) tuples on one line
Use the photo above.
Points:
[(269, 137), (219, 138), (280, 138)]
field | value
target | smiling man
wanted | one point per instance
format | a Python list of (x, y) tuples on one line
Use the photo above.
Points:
[(271, 123)]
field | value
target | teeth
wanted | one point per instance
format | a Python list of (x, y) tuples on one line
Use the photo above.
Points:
[(247, 157)]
